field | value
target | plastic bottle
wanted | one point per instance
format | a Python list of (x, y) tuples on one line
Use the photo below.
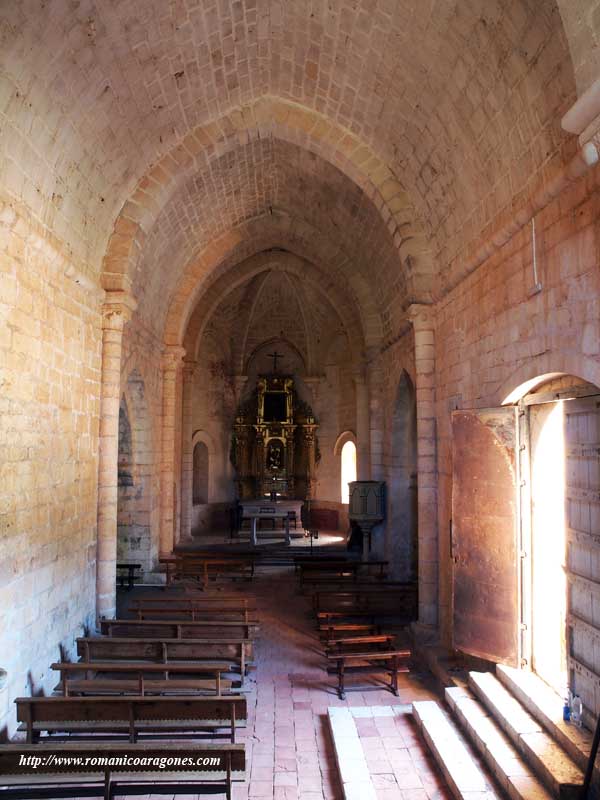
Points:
[(576, 710), (567, 709)]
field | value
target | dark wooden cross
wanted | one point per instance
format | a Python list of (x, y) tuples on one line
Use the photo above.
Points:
[(274, 356)]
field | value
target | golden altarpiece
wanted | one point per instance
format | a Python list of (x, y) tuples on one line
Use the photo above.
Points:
[(274, 446)]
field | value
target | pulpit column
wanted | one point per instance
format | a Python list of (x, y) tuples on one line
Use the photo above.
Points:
[(423, 321), (171, 365), (187, 450), (363, 428), (116, 311)]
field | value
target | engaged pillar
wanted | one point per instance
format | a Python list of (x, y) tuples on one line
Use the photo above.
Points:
[(423, 321), (363, 427), (187, 451), (171, 365), (116, 311)]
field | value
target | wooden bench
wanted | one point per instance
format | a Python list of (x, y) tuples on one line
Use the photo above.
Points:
[(179, 629), (34, 771), (319, 572), (203, 569), (348, 644), (141, 679), (192, 612), (383, 597), (162, 650), (195, 598), (131, 570), (86, 717), (349, 616), (339, 630), (391, 661)]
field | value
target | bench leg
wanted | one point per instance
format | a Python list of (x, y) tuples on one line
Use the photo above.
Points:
[(341, 692), (108, 789), (394, 676)]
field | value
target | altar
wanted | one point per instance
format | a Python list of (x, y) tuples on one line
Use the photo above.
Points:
[(274, 451), (284, 510)]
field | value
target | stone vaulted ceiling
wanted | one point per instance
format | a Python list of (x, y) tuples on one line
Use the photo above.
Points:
[(394, 130)]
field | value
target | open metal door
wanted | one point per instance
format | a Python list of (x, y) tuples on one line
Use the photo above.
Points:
[(485, 529)]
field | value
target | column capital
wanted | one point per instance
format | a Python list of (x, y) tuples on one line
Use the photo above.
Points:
[(421, 316), (172, 357), (360, 372), (117, 309)]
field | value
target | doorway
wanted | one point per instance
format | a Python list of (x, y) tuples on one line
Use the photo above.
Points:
[(526, 534)]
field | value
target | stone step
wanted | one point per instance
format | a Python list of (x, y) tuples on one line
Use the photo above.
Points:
[(512, 773), (462, 773), (353, 769), (553, 766), (545, 705)]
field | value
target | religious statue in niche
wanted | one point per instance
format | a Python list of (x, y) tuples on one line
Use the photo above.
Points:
[(274, 446), (275, 455)]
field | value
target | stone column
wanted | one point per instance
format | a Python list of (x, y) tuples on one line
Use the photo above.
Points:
[(423, 321), (310, 439), (116, 311), (187, 451), (363, 429), (171, 365)]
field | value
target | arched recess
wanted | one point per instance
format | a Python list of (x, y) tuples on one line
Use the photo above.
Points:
[(291, 123), (206, 472), (346, 436), (200, 473), (134, 535), (204, 437), (345, 452), (401, 534), (542, 368)]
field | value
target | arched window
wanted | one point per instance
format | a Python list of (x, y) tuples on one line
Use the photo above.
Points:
[(200, 474), (348, 469)]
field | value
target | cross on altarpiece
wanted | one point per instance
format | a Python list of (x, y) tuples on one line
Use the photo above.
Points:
[(275, 356)]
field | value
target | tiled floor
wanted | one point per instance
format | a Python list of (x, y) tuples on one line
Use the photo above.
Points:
[(290, 754)]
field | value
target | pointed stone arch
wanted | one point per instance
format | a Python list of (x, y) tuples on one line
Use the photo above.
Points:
[(290, 122)]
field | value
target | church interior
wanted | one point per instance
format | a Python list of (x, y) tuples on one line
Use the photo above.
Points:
[(300, 397)]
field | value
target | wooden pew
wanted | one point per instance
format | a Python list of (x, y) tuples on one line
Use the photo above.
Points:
[(89, 717), (141, 679), (371, 662), (383, 597), (361, 643), (112, 648), (339, 630), (181, 567), (179, 629), (34, 771), (195, 598), (312, 572), (192, 612)]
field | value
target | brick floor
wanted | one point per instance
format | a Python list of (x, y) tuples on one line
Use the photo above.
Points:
[(290, 753)]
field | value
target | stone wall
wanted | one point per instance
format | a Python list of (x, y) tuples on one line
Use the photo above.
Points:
[(50, 334), (494, 332)]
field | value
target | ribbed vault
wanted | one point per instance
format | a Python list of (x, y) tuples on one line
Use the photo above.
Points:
[(312, 290)]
